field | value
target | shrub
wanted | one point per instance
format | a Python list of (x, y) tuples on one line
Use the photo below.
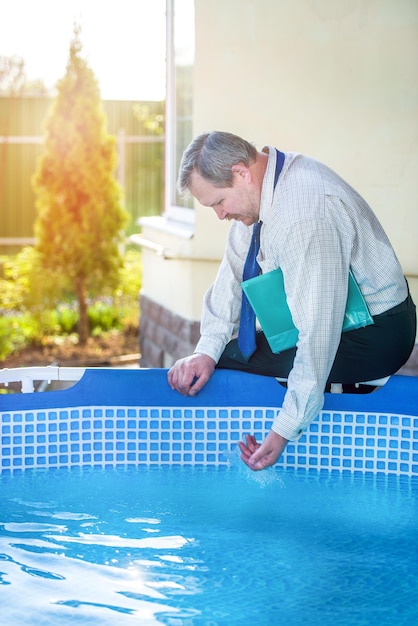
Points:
[(27, 316), (16, 332), (103, 317)]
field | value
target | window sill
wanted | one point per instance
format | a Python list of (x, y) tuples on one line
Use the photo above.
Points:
[(178, 228)]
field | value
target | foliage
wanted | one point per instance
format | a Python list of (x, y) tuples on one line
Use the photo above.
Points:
[(151, 122), (12, 74), (130, 275), (16, 332), (24, 284), (13, 80), (15, 280), (81, 218), (27, 316)]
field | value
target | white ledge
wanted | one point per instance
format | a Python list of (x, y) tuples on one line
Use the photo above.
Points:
[(185, 230)]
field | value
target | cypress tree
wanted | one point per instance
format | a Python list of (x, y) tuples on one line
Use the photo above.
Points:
[(80, 213)]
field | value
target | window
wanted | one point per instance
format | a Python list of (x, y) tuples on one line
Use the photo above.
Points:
[(179, 104)]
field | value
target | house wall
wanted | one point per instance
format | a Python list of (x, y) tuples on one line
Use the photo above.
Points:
[(334, 79)]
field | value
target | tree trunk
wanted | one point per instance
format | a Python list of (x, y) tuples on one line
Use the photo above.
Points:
[(83, 320)]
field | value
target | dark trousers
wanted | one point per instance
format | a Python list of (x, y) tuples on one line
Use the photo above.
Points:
[(364, 354)]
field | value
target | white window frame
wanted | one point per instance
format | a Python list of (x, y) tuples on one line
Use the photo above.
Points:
[(173, 211)]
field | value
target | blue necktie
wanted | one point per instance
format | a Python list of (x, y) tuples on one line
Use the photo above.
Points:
[(246, 333)]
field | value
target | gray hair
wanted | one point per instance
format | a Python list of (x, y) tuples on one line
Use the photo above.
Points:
[(212, 155)]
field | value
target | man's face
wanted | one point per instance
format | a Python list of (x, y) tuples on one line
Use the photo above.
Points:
[(239, 202)]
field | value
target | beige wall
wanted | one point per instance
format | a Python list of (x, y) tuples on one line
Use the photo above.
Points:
[(336, 79), (178, 275)]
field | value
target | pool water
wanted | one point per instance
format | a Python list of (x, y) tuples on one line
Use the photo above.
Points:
[(196, 546)]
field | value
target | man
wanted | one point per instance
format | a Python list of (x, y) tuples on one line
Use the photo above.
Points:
[(315, 227)]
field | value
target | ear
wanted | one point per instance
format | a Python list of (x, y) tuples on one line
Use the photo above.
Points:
[(242, 171)]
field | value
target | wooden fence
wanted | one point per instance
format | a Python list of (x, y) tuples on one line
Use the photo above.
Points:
[(140, 163)]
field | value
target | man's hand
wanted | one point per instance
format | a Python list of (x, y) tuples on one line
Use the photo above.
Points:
[(190, 375), (260, 456)]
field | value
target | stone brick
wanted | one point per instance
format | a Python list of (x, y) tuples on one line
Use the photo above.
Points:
[(164, 335)]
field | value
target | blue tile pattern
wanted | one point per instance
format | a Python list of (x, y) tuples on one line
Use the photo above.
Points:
[(116, 436)]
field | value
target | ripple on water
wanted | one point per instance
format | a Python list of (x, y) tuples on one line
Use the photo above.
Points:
[(199, 546)]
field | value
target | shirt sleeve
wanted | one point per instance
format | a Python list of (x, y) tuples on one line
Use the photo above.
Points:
[(315, 267), (222, 302)]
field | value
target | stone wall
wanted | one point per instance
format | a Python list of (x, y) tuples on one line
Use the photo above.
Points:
[(164, 336)]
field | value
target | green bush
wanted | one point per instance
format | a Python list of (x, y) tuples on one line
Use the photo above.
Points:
[(103, 317), (16, 332), (60, 321), (15, 279), (28, 313)]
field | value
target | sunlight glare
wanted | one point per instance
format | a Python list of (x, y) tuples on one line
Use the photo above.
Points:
[(123, 42)]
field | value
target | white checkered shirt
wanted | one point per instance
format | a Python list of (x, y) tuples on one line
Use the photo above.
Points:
[(315, 227)]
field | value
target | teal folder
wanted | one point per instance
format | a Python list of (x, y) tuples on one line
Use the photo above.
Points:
[(268, 299)]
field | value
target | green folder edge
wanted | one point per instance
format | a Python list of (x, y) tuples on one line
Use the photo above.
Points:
[(268, 299)]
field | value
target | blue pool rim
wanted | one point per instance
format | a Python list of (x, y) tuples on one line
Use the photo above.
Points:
[(118, 417)]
